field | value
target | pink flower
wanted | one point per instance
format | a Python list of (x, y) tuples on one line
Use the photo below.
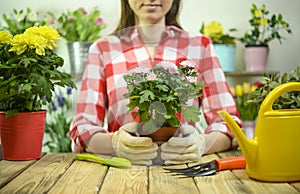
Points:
[(83, 11), (51, 20), (187, 63), (99, 21), (151, 76), (169, 66)]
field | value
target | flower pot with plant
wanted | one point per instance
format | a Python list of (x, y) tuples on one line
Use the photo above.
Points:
[(224, 44), (80, 29), (160, 97), (18, 21), (29, 72), (263, 29)]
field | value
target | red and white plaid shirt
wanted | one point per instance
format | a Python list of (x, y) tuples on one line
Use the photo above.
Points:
[(103, 86)]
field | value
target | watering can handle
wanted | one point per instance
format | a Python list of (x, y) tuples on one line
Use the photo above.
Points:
[(276, 93)]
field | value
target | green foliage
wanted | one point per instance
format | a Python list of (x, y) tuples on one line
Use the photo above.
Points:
[(58, 122), (20, 20), (162, 93), (28, 76), (289, 100), (78, 25), (263, 28)]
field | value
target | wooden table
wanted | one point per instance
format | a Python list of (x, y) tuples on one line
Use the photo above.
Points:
[(61, 173)]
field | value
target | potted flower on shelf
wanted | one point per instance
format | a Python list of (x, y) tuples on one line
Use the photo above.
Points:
[(29, 71), (160, 97), (80, 29), (223, 42), (263, 29), (248, 112)]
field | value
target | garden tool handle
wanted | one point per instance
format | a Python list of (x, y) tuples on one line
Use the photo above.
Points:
[(231, 163), (276, 92)]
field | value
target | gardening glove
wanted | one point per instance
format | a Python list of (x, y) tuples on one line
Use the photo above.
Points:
[(187, 147), (139, 150)]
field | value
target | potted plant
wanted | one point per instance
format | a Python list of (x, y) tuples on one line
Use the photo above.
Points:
[(80, 29), (223, 42), (248, 112), (29, 72), (263, 29), (290, 100), (18, 21), (159, 97)]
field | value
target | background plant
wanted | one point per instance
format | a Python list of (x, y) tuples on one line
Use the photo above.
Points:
[(59, 118), (19, 20), (214, 30), (78, 25), (263, 28), (163, 92), (242, 94), (289, 100), (29, 69)]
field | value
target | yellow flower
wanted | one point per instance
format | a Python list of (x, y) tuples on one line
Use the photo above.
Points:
[(214, 30), (5, 37), (48, 33), (22, 42), (264, 21), (232, 90), (239, 90), (253, 87), (246, 87), (257, 13)]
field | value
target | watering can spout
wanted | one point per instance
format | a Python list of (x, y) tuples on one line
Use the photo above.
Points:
[(248, 147)]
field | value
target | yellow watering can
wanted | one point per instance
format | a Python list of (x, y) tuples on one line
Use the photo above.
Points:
[(273, 154)]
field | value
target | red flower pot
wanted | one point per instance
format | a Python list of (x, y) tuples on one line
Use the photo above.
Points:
[(22, 135)]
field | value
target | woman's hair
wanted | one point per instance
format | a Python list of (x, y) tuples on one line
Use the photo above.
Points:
[(127, 15)]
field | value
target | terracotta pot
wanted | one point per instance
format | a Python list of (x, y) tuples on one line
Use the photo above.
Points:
[(256, 57), (163, 134), (22, 135)]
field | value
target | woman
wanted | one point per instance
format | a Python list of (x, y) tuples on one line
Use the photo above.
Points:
[(148, 32)]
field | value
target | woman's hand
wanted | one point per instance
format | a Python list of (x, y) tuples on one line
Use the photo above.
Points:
[(188, 147), (139, 150)]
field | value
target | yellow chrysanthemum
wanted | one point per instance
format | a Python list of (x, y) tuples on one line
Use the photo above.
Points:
[(5, 37), (213, 30), (48, 33), (20, 43)]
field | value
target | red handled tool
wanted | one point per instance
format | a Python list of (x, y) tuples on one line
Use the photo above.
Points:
[(210, 168)]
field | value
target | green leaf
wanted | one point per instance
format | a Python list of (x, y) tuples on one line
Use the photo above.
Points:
[(146, 95), (191, 113)]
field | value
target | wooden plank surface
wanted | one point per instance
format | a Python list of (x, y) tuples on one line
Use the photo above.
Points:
[(131, 180), (82, 177), (41, 176), (11, 169), (221, 182), (162, 182), (263, 187)]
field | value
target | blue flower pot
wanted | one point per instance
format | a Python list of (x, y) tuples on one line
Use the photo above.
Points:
[(226, 55)]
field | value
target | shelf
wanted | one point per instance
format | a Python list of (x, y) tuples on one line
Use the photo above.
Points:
[(248, 74)]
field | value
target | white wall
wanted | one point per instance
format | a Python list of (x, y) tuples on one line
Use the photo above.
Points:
[(231, 13)]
